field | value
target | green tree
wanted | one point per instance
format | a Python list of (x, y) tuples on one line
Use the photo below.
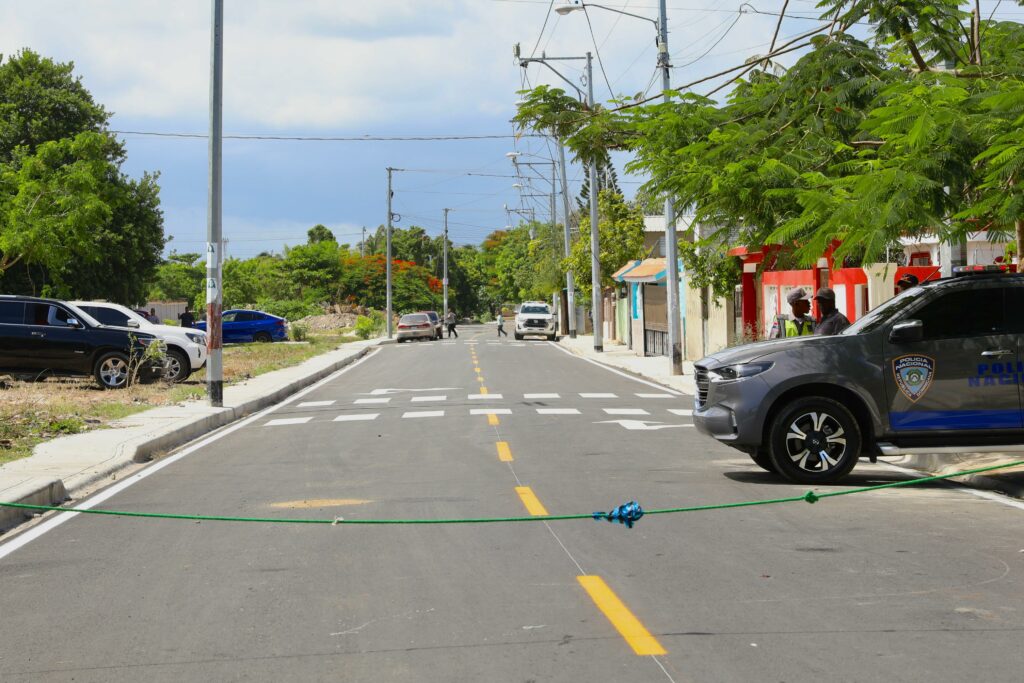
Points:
[(621, 237), (320, 233)]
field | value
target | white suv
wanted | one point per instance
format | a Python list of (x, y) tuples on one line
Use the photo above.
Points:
[(535, 317), (186, 347)]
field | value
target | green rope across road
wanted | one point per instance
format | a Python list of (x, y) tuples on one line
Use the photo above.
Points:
[(809, 497)]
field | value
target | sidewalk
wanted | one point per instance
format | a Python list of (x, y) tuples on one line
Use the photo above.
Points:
[(1009, 482), (617, 355), (60, 468)]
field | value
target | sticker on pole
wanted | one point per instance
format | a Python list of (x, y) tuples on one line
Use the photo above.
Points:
[(914, 375)]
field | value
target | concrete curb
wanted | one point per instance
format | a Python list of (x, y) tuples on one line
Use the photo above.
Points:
[(657, 379), (57, 478), (1012, 484)]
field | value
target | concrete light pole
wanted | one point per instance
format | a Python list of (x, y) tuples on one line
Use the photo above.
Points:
[(388, 256), (445, 280), (214, 290), (597, 305), (570, 280)]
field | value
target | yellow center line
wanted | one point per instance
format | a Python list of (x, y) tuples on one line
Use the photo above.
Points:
[(531, 502), (624, 621), (477, 370), (492, 420), (479, 379), (483, 391), (504, 452)]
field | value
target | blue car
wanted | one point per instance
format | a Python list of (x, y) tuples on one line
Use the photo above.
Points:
[(247, 326)]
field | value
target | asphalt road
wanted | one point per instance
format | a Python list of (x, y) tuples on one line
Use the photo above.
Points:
[(901, 585)]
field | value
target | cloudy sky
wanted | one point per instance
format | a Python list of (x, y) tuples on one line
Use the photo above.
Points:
[(336, 68)]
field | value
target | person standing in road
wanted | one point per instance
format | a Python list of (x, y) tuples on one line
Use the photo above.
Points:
[(450, 321), (187, 319), (501, 325), (799, 324), (831, 320)]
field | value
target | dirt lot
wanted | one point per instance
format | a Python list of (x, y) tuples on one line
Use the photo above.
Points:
[(32, 412)]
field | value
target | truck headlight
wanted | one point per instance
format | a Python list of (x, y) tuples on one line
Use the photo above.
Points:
[(196, 338), (730, 373)]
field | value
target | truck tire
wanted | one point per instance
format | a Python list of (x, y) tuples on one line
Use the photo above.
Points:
[(111, 370), (518, 336), (177, 367), (814, 440)]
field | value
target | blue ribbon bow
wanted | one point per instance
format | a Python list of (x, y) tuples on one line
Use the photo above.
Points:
[(627, 514)]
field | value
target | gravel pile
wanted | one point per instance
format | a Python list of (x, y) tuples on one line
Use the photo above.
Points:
[(336, 317)]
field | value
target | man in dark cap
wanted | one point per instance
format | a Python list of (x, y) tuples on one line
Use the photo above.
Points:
[(906, 282), (800, 323), (831, 320)]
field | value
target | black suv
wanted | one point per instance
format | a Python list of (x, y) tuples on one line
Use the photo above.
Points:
[(40, 337), (938, 369)]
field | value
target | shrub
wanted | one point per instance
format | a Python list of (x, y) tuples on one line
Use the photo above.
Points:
[(289, 309), (299, 332), (368, 326)]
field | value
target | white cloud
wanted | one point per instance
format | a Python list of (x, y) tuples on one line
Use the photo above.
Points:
[(330, 64)]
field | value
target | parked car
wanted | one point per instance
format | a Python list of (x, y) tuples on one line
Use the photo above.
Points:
[(435, 319), (938, 369), (415, 326), (44, 337), (535, 317), (186, 348), (248, 326)]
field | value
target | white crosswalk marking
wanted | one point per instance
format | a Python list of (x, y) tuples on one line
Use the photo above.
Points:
[(485, 397), (288, 421), (681, 412), (313, 404), (655, 396), (372, 400), (598, 395), (540, 396), (557, 411), (626, 411), (490, 411), (421, 399), (357, 417), (424, 413)]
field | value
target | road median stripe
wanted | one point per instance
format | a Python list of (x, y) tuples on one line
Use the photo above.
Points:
[(504, 452), (624, 621), (531, 502), (493, 420)]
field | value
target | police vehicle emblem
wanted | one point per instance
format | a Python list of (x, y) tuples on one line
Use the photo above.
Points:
[(914, 375)]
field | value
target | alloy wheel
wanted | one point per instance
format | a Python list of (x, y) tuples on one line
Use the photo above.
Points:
[(816, 442)]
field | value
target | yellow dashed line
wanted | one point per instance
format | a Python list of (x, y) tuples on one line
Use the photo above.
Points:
[(483, 391), (477, 370), (531, 502), (492, 420), (479, 379), (624, 621), (504, 452)]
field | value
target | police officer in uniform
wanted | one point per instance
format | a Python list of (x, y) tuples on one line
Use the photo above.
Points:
[(831, 321), (800, 324)]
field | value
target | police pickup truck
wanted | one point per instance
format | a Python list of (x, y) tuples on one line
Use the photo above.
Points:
[(937, 369)]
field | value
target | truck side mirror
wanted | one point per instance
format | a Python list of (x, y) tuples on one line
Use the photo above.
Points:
[(906, 332)]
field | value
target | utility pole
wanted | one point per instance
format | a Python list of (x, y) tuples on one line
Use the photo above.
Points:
[(595, 248), (388, 255), (444, 282), (675, 344), (570, 281), (214, 297), (362, 244)]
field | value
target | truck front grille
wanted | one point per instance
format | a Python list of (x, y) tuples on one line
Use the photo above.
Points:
[(701, 379), (535, 322)]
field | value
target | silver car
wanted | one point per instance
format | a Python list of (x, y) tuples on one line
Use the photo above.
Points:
[(415, 326)]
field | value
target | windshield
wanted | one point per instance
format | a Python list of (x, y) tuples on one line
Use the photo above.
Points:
[(535, 308), (414, 319), (83, 316), (877, 317)]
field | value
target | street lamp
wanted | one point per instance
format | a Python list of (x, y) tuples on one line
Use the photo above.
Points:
[(595, 264), (671, 240)]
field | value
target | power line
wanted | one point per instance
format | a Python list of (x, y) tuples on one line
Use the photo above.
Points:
[(597, 52), (319, 138)]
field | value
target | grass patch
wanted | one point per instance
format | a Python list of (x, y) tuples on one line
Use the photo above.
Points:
[(34, 412)]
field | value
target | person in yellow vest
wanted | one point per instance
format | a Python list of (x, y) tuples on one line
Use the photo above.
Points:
[(799, 324)]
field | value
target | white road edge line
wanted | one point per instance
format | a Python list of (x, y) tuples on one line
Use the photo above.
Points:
[(61, 517), (620, 374), (987, 495)]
